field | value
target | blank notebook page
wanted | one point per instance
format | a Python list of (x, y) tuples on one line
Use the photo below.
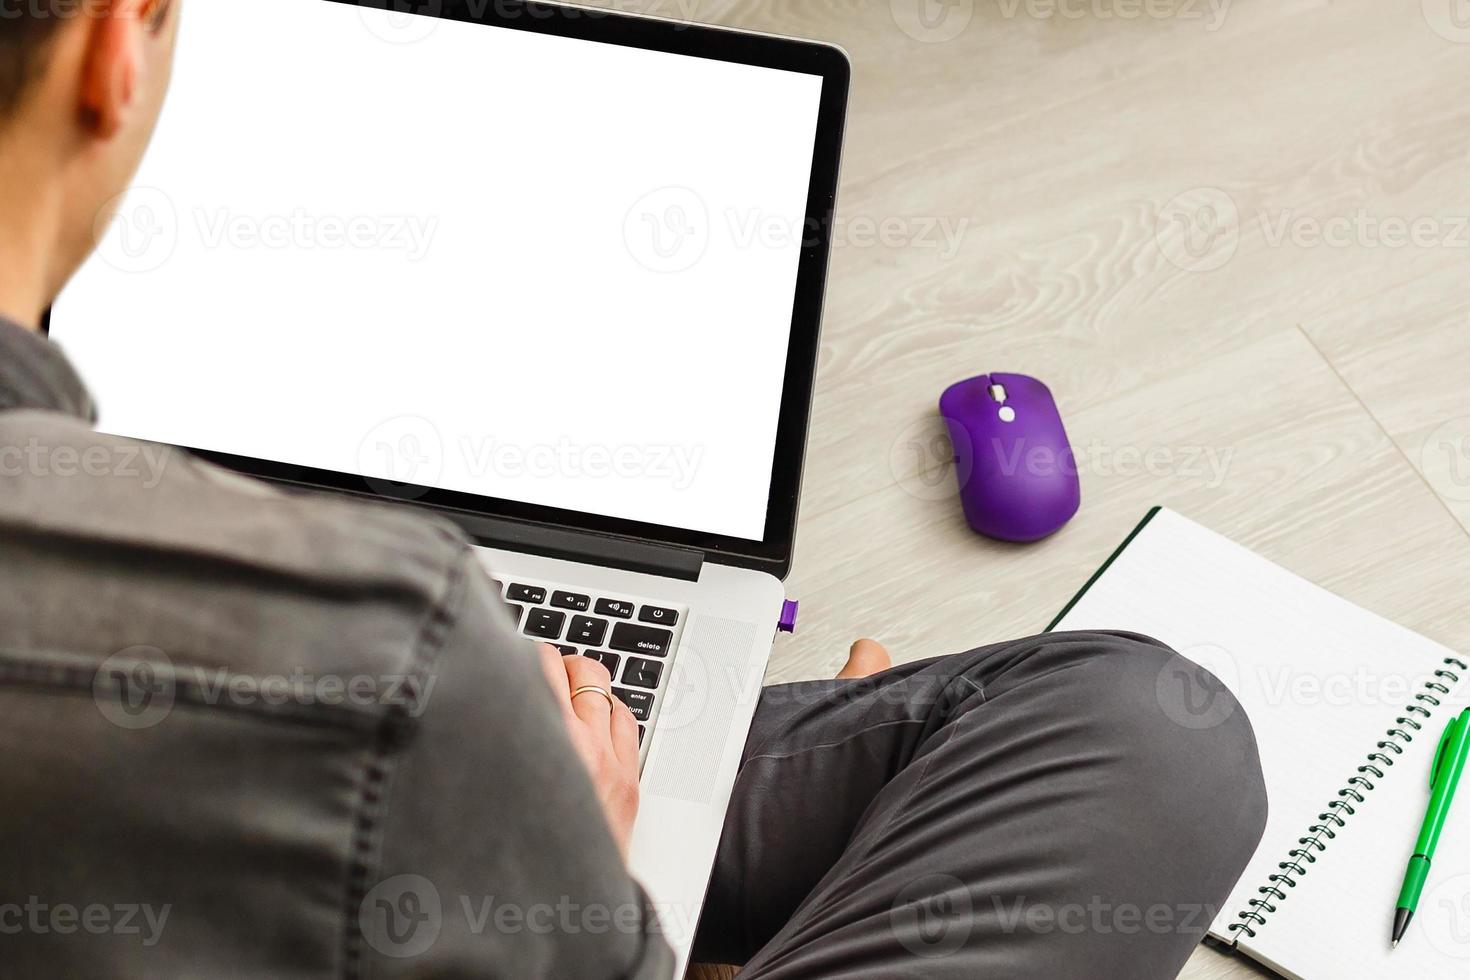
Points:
[(1322, 682)]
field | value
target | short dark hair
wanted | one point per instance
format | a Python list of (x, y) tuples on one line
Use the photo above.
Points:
[(26, 30)]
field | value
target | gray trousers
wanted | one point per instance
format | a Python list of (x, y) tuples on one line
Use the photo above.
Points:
[(1054, 807)]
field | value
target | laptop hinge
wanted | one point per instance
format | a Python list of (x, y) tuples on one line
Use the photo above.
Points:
[(607, 550), (627, 554)]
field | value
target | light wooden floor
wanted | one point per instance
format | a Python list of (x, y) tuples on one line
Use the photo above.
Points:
[(1328, 377)]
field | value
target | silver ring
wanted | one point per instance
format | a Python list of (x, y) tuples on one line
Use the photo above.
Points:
[(593, 689)]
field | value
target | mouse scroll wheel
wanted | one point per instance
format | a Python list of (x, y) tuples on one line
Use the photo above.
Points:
[(998, 392)]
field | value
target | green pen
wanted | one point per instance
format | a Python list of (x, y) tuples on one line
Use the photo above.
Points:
[(1449, 763)]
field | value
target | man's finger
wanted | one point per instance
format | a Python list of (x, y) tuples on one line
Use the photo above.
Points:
[(593, 709), (624, 735)]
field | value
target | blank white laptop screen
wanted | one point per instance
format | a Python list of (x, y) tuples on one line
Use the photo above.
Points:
[(493, 261)]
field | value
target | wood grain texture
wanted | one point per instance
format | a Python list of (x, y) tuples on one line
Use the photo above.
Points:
[(1295, 380), (1404, 352)]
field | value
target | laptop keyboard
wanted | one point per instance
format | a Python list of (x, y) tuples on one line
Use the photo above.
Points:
[(634, 639)]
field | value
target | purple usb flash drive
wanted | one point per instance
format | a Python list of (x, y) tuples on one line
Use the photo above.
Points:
[(788, 616)]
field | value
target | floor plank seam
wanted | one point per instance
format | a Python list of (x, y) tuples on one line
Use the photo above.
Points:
[(1418, 472)]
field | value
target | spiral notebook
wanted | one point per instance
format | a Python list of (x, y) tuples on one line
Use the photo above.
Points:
[(1348, 709)]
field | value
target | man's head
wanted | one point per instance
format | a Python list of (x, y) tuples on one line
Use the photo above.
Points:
[(81, 86)]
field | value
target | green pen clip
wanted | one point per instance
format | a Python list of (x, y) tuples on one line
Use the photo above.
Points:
[(1438, 770)]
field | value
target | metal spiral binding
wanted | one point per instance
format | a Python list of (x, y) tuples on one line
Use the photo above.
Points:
[(1334, 817)]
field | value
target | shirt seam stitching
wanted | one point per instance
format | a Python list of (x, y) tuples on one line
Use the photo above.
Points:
[(375, 774)]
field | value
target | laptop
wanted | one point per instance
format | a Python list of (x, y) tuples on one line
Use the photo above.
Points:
[(551, 272)]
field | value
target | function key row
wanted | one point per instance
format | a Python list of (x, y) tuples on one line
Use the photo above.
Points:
[(534, 595)]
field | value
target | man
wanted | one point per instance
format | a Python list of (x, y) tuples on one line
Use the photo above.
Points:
[(996, 814)]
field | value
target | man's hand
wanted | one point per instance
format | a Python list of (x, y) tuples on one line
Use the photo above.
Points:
[(605, 736)]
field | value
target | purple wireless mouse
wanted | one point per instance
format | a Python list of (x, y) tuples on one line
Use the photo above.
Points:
[(1016, 469)]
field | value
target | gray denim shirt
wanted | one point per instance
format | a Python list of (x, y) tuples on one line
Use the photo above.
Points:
[(245, 733)]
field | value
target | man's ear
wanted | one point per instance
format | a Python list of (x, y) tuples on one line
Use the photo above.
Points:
[(112, 65)]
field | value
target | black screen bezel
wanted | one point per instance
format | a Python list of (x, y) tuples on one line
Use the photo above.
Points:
[(774, 551)]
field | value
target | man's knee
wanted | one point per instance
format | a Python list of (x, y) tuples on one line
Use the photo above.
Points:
[(1165, 740), (1176, 731)]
